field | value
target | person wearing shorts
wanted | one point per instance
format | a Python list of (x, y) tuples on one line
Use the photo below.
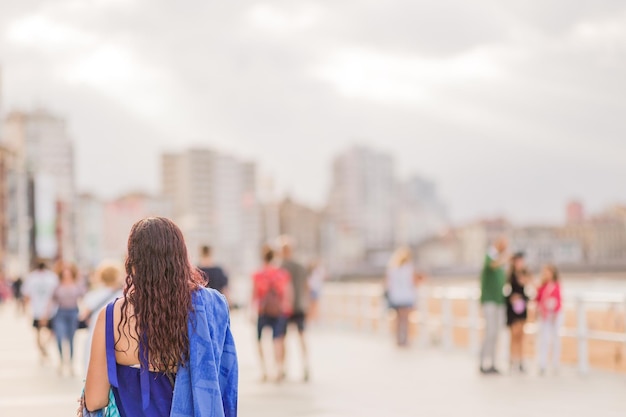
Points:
[(278, 325), (39, 324), (271, 295), (38, 290), (300, 288)]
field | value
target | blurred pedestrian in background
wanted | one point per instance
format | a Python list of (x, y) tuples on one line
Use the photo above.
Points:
[(272, 300), (38, 289), (317, 276), (401, 287), (166, 347), (214, 274), (107, 286), (492, 280), (18, 295), (64, 301), (300, 289), (549, 305), (517, 309)]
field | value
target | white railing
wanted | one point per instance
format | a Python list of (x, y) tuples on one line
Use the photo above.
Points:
[(363, 306)]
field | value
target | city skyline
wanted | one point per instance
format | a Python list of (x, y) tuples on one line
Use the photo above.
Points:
[(512, 110), (217, 199)]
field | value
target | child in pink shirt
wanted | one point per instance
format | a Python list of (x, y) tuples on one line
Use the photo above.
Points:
[(549, 305)]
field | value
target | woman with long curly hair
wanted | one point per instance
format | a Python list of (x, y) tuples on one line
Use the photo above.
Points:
[(165, 348)]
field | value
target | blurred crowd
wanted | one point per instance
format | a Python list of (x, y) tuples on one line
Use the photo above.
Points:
[(286, 294), (63, 300)]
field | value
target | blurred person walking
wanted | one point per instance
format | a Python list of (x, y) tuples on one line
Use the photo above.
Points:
[(18, 294), (401, 288), (317, 277), (65, 300), (107, 287), (492, 299), (272, 300), (38, 289), (549, 304), (165, 348), (214, 274), (517, 309), (300, 289)]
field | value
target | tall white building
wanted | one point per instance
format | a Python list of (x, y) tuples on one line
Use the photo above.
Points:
[(420, 213), (214, 201), (361, 203), (90, 230), (103, 226), (43, 185)]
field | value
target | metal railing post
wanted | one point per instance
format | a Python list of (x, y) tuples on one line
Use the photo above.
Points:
[(447, 325), (423, 329), (582, 336), (474, 326), (624, 323)]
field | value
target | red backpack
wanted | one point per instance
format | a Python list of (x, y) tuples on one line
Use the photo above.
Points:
[(271, 304)]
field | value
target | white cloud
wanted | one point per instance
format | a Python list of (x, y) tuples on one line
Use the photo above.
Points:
[(283, 21), (42, 32), (115, 72), (266, 77), (388, 77), (606, 34)]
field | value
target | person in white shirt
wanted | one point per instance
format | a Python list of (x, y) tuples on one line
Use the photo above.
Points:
[(317, 276), (38, 289), (401, 289)]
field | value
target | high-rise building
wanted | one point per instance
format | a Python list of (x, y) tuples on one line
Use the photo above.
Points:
[(6, 157), (43, 187), (120, 214), (419, 212), (303, 224), (90, 230), (575, 212), (214, 201), (361, 204)]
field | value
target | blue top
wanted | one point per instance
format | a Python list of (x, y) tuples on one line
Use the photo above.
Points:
[(206, 385), (131, 385)]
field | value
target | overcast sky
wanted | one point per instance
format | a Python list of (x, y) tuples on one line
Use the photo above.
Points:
[(511, 107)]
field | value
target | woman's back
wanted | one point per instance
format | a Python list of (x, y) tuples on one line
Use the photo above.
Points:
[(165, 348), (126, 338), (138, 392)]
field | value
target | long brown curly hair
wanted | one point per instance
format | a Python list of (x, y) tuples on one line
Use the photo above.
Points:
[(159, 284)]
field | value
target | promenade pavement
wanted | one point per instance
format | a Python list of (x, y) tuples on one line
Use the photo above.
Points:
[(352, 375)]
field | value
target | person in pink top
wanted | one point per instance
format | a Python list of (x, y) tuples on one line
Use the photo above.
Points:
[(549, 304), (272, 300)]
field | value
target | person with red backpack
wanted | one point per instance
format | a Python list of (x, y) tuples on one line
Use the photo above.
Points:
[(271, 295)]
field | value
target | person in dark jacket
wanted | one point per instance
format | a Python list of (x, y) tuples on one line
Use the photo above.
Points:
[(517, 309)]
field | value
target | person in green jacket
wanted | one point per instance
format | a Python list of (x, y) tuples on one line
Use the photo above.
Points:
[(492, 280)]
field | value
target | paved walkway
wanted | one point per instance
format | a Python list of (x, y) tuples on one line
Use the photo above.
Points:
[(353, 375)]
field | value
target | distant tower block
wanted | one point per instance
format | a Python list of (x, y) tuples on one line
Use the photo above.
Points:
[(575, 212)]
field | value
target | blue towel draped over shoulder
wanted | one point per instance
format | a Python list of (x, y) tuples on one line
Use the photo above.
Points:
[(206, 386)]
